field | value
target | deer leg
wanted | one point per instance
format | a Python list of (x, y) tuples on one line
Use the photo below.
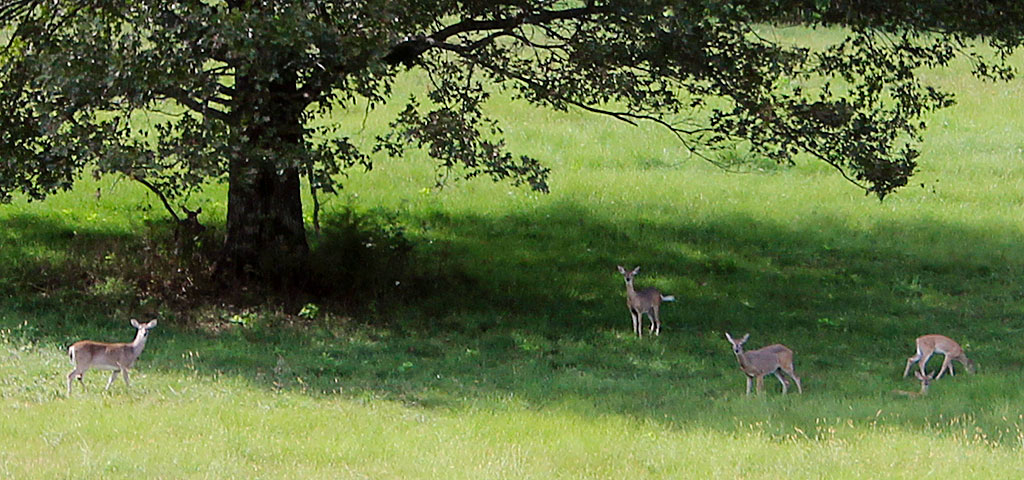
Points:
[(924, 363), (792, 374), (760, 384), (655, 322), (113, 376), (785, 384), (124, 373), (637, 322), (947, 364), (910, 362), (71, 379), (749, 379)]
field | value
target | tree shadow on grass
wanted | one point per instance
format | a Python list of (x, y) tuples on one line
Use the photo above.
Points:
[(90, 277), (47, 264), (739, 272), (530, 308)]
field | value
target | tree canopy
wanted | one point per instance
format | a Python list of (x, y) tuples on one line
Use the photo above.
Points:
[(253, 76)]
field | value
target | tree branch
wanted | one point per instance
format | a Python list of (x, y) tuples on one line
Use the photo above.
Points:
[(12, 9), (182, 97), (158, 193), (627, 117), (408, 51)]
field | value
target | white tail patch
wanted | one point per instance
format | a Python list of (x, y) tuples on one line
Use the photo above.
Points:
[(668, 298)]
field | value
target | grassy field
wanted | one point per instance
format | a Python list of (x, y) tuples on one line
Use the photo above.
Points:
[(487, 334)]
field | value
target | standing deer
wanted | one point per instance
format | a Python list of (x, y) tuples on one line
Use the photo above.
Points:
[(119, 357), (644, 301), (926, 380), (928, 345), (188, 231), (759, 363)]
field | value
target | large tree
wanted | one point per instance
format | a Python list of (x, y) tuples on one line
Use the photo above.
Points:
[(236, 90)]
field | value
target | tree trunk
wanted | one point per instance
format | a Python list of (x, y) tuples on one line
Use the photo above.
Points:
[(266, 236)]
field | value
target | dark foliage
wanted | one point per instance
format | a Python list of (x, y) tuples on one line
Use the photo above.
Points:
[(233, 88)]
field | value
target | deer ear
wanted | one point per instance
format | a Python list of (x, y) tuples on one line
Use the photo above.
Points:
[(636, 270), (151, 324), (745, 337), (622, 270), (135, 323), (728, 337)]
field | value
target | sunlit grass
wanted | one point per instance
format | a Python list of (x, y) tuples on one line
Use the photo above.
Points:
[(176, 425)]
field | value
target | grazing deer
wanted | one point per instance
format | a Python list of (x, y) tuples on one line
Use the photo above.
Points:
[(644, 301), (119, 357), (926, 380), (759, 363), (928, 345)]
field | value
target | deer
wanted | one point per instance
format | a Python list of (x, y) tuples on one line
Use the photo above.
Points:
[(119, 357), (188, 231), (757, 364), (928, 345), (644, 301), (926, 380)]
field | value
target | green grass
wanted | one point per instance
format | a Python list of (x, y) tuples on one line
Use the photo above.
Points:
[(505, 351)]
